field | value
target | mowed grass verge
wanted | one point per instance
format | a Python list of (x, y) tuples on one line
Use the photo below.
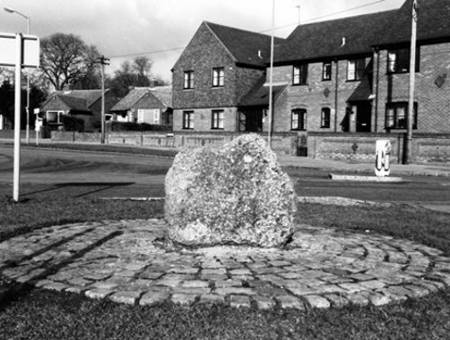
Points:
[(40, 314)]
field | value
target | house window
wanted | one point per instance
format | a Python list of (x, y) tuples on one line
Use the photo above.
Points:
[(188, 80), (218, 77), (54, 116), (355, 69), (149, 116), (325, 117), (398, 60), (298, 121), (326, 71), (217, 120), (397, 115), (188, 120), (300, 74)]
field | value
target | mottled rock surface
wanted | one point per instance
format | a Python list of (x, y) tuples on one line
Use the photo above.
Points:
[(235, 194)]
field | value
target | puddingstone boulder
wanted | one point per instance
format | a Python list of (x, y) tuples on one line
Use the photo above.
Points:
[(233, 194)]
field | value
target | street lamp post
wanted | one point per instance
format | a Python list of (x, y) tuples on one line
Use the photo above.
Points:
[(27, 109)]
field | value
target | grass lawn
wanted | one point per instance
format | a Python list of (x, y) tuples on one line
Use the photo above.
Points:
[(40, 314)]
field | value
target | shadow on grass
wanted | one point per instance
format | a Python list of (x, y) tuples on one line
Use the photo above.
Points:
[(19, 290), (59, 186)]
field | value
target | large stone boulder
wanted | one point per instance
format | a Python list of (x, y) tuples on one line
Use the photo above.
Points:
[(233, 194)]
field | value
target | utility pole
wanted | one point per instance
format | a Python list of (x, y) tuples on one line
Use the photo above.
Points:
[(407, 157), (272, 38), (27, 129), (103, 61)]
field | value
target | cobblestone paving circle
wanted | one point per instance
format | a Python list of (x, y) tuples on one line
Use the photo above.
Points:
[(120, 261)]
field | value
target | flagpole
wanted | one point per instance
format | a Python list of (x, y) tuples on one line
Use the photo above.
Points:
[(272, 38), (412, 79)]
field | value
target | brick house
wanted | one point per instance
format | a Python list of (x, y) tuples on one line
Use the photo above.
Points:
[(352, 74), (219, 66), (82, 104), (342, 82), (151, 105)]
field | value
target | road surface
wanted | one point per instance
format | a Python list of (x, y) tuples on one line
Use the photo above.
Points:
[(98, 174)]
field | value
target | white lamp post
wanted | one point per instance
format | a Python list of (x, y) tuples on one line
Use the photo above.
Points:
[(27, 18)]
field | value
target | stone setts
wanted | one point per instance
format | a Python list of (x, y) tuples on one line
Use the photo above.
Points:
[(123, 261), (236, 194)]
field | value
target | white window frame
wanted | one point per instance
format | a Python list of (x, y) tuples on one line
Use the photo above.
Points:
[(218, 77), (188, 80), (217, 119), (188, 124), (59, 113)]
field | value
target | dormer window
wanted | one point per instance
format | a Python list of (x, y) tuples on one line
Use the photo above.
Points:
[(188, 80)]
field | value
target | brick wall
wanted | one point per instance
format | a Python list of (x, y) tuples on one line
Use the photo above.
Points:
[(282, 143), (323, 145), (203, 119), (433, 101), (314, 96), (202, 54), (361, 147), (149, 101)]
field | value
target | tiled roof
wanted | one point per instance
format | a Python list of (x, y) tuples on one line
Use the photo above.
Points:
[(341, 37), (90, 96), (58, 101), (162, 93), (362, 92), (433, 22), (244, 45), (259, 95), (358, 34), (130, 99), (74, 103)]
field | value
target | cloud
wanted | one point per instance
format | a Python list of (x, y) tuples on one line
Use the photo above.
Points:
[(119, 27)]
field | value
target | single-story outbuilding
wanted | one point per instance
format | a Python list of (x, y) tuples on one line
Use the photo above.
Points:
[(85, 105), (150, 105)]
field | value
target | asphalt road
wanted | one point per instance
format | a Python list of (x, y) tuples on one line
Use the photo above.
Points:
[(97, 174)]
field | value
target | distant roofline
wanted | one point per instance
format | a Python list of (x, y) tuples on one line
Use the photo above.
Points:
[(343, 19), (241, 29)]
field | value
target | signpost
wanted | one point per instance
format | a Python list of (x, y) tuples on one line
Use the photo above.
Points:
[(19, 51), (38, 123)]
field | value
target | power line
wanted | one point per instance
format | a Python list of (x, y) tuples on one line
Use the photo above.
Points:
[(147, 53), (264, 31), (324, 16)]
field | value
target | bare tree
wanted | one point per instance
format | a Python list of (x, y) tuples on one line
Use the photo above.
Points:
[(130, 74), (142, 66), (65, 59)]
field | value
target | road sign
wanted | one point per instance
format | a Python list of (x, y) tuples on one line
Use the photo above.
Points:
[(19, 51), (383, 148), (8, 49)]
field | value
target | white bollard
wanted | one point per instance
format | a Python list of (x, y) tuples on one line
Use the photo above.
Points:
[(382, 150)]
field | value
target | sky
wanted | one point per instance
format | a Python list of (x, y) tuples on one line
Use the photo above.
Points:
[(160, 29)]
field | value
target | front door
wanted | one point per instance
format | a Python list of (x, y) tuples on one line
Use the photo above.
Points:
[(251, 120), (363, 116)]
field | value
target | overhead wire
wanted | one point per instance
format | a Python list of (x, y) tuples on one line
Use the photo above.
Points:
[(263, 31)]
